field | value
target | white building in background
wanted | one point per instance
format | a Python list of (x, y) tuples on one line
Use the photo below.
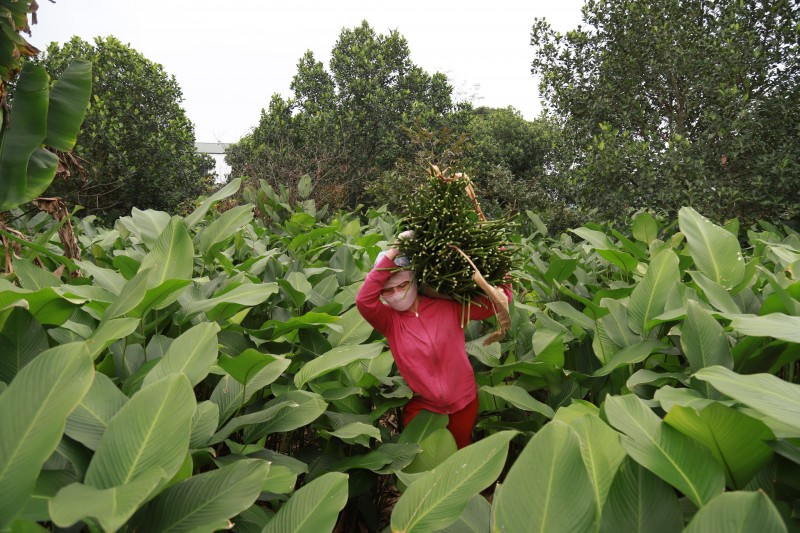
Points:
[(217, 151)]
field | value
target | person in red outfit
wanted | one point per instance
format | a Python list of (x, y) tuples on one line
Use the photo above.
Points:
[(426, 339)]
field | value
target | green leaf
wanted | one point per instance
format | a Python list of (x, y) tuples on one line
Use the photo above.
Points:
[(765, 393), (313, 508), (715, 250), (334, 359), (734, 512), (69, 100), (737, 441), (231, 302), (716, 294), (355, 330), (635, 353), (624, 261), (34, 411), (150, 431), (89, 420), (225, 226), (309, 407), (172, 255), (640, 502), (228, 190), (421, 426), (644, 228), (22, 339), (257, 417), (191, 354), (204, 423), (550, 482), (671, 455), (776, 325), (704, 340), (110, 331), (436, 499), (205, 502), (252, 365), (475, 518), (354, 430), (650, 294), (436, 447), (519, 398), (131, 295)]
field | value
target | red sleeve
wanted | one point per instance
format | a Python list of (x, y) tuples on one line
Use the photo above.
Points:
[(482, 308), (368, 299)]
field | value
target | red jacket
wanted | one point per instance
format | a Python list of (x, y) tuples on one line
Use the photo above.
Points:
[(428, 346)]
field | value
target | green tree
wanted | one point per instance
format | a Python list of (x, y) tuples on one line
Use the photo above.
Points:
[(136, 147), (344, 126), (677, 103)]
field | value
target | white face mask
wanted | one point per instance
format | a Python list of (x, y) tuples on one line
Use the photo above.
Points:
[(402, 300)]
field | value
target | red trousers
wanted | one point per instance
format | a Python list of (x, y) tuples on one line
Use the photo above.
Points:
[(460, 424)]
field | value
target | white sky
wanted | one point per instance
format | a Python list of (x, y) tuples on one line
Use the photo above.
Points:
[(230, 56)]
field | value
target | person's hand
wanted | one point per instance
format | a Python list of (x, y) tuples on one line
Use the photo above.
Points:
[(407, 234)]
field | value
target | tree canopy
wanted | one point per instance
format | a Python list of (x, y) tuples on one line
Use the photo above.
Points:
[(677, 103), (136, 146)]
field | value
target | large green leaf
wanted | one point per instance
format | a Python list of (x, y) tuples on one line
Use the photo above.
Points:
[(309, 407), (150, 431), (69, 99), (34, 411), (738, 512), (191, 354), (736, 440), (257, 417), (650, 294), (704, 340), (336, 358), (87, 423), (204, 422), (644, 228), (436, 499), (355, 329), (715, 250), (314, 508), (776, 325), (172, 256), (671, 455), (765, 393), (436, 447), (635, 353), (225, 226), (640, 502), (131, 295), (547, 488), (475, 518), (204, 502), (228, 190), (231, 302), (22, 339), (519, 398)]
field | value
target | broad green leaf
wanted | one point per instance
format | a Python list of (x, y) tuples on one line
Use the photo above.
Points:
[(111, 506), (644, 228), (640, 502), (110, 331), (131, 295), (776, 325), (225, 226), (150, 431), (313, 508), (257, 417), (421, 426), (89, 420), (737, 441), (680, 461), (519, 398), (550, 483), (34, 411), (191, 354), (146, 225), (623, 260), (704, 340), (475, 518), (297, 287), (568, 311), (357, 429), (355, 330), (205, 502), (228, 190), (635, 353), (715, 250), (46, 305), (160, 296), (109, 279), (69, 99), (32, 277), (231, 302), (765, 393), (616, 324), (309, 407), (374, 460), (717, 295), (22, 339), (334, 359), (488, 355), (597, 239), (436, 499), (254, 366), (436, 447), (650, 294), (172, 256), (738, 512)]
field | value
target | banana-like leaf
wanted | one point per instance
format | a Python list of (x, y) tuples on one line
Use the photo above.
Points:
[(334, 359), (151, 430), (475, 518), (111, 506), (777, 325), (231, 302), (87, 423), (355, 330), (353, 430), (550, 482), (131, 295), (191, 354), (715, 250), (765, 393), (309, 407), (110, 331), (635, 353), (644, 228), (716, 294), (737, 441), (205, 502), (519, 398), (297, 288), (640, 502), (257, 417), (204, 422), (437, 499), (680, 461), (69, 99), (228, 190), (704, 340), (108, 279), (225, 226), (34, 411), (314, 508), (436, 447), (172, 255), (734, 512), (22, 339), (146, 226), (650, 294)]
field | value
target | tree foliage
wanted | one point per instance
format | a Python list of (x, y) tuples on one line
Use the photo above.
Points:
[(344, 125), (136, 146), (677, 103)]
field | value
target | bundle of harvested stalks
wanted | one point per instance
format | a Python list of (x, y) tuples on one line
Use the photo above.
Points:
[(455, 251)]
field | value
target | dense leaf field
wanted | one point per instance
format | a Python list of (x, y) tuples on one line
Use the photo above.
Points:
[(192, 373)]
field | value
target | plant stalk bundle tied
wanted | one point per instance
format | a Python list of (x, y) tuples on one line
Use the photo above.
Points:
[(456, 251)]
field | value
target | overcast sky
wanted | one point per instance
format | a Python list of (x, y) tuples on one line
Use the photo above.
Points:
[(230, 56)]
